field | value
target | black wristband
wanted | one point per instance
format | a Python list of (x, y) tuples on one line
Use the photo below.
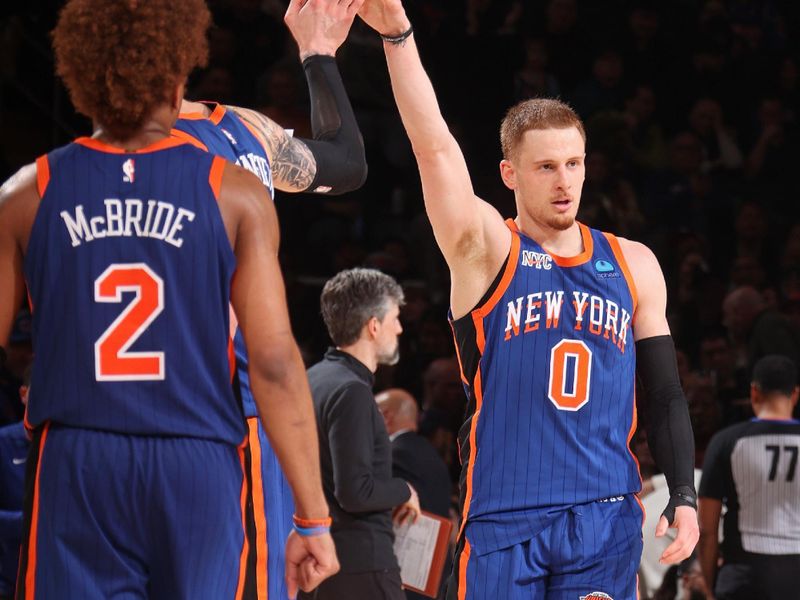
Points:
[(680, 496), (398, 39)]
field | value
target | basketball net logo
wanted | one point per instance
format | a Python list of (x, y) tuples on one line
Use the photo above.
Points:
[(596, 596), (128, 171)]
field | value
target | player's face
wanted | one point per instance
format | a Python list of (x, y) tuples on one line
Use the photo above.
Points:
[(547, 176), (389, 330)]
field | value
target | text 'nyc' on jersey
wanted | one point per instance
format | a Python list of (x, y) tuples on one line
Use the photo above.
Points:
[(548, 364), (753, 468), (223, 133), (129, 271)]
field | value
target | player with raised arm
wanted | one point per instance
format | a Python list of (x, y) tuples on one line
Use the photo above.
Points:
[(552, 321), (331, 163)]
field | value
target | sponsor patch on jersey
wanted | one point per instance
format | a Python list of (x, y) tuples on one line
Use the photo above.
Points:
[(129, 171), (605, 269), (596, 596), (537, 259)]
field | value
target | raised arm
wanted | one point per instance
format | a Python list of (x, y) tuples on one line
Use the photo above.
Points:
[(669, 429), (462, 223), (277, 375), (334, 161)]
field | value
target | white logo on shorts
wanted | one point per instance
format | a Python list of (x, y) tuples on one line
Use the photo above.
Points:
[(596, 596)]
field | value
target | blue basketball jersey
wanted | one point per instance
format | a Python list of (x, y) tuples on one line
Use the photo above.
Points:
[(129, 271), (548, 363), (223, 133)]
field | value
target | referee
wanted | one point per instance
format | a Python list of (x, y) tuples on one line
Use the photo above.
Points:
[(751, 468)]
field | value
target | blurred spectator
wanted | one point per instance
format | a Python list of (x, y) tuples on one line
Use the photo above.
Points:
[(14, 444), (750, 468), (603, 90), (758, 329), (533, 80), (609, 201), (18, 356), (719, 145), (281, 95), (649, 150)]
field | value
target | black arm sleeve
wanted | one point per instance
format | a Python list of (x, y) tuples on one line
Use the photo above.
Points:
[(666, 418), (338, 147)]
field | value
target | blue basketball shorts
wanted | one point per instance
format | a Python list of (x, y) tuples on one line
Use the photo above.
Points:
[(122, 517), (587, 552), (273, 507)]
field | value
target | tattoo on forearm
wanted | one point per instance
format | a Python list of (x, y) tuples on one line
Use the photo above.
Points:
[(293, 165)]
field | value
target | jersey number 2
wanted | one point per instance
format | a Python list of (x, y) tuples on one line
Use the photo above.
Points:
[(112, 360), (570, 374)]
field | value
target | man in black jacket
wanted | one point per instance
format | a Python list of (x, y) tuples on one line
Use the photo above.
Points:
[(361, 309)]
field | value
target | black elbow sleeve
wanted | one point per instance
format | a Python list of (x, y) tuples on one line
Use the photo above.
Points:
[(337, 147), (666, 417)]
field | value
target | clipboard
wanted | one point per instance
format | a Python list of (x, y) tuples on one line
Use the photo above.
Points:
[(421, 549)]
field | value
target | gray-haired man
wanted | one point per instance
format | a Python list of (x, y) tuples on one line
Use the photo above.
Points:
[(361, 311)]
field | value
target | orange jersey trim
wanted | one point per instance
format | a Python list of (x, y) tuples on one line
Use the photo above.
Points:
[(617, 250), (473, 449), (100, 146), (189, 138), (215, 117), (30, 575), (42, 176), (262, 577), (458, 356), (245, 545), (568, 261), (215, 175), (462, 570), (508, 275)]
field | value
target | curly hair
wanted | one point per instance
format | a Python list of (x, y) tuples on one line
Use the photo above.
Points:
[(120, 59)]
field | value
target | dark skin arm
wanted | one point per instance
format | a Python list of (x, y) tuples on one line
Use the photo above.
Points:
[(277, 374), (19, 200)]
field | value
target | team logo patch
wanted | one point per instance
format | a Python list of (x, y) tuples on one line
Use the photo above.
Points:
[(596, 596), (128, 171), (537, 259)]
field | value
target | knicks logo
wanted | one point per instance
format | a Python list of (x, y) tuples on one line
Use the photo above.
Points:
[(537, 259), (597, 596), (128, 171)]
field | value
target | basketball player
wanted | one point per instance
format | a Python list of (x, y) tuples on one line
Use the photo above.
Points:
[(128, 242), (751, 468), (546, 313), (333, 163)]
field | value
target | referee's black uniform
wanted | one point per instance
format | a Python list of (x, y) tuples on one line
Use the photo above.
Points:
[(752, 468)]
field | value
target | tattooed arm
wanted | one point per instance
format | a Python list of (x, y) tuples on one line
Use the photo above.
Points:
[(293, 164)]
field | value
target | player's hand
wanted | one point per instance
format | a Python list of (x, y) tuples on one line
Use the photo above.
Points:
[(688, 534), (387, 17), (320, 26), (409, 510), (309, 561)]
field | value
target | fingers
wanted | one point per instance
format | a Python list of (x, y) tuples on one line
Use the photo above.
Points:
[(291, 579), (662, 526), (684, 543), (294, 7)]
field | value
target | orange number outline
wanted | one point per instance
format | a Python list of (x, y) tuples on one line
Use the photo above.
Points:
[(582, 375), (113, 361)]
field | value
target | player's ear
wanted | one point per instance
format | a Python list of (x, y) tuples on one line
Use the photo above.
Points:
[(177, 96), (508, 174)]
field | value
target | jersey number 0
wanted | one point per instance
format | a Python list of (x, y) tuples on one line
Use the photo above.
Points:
[(112, 359)]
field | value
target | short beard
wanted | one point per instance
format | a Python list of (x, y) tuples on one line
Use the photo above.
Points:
[(390, 359), (561, 222)]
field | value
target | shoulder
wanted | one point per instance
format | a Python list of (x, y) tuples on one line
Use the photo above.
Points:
[(641, 260), (19, 198), (728, 436)]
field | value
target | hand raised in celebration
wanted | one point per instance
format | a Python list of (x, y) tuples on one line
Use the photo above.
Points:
[(320, 26)]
